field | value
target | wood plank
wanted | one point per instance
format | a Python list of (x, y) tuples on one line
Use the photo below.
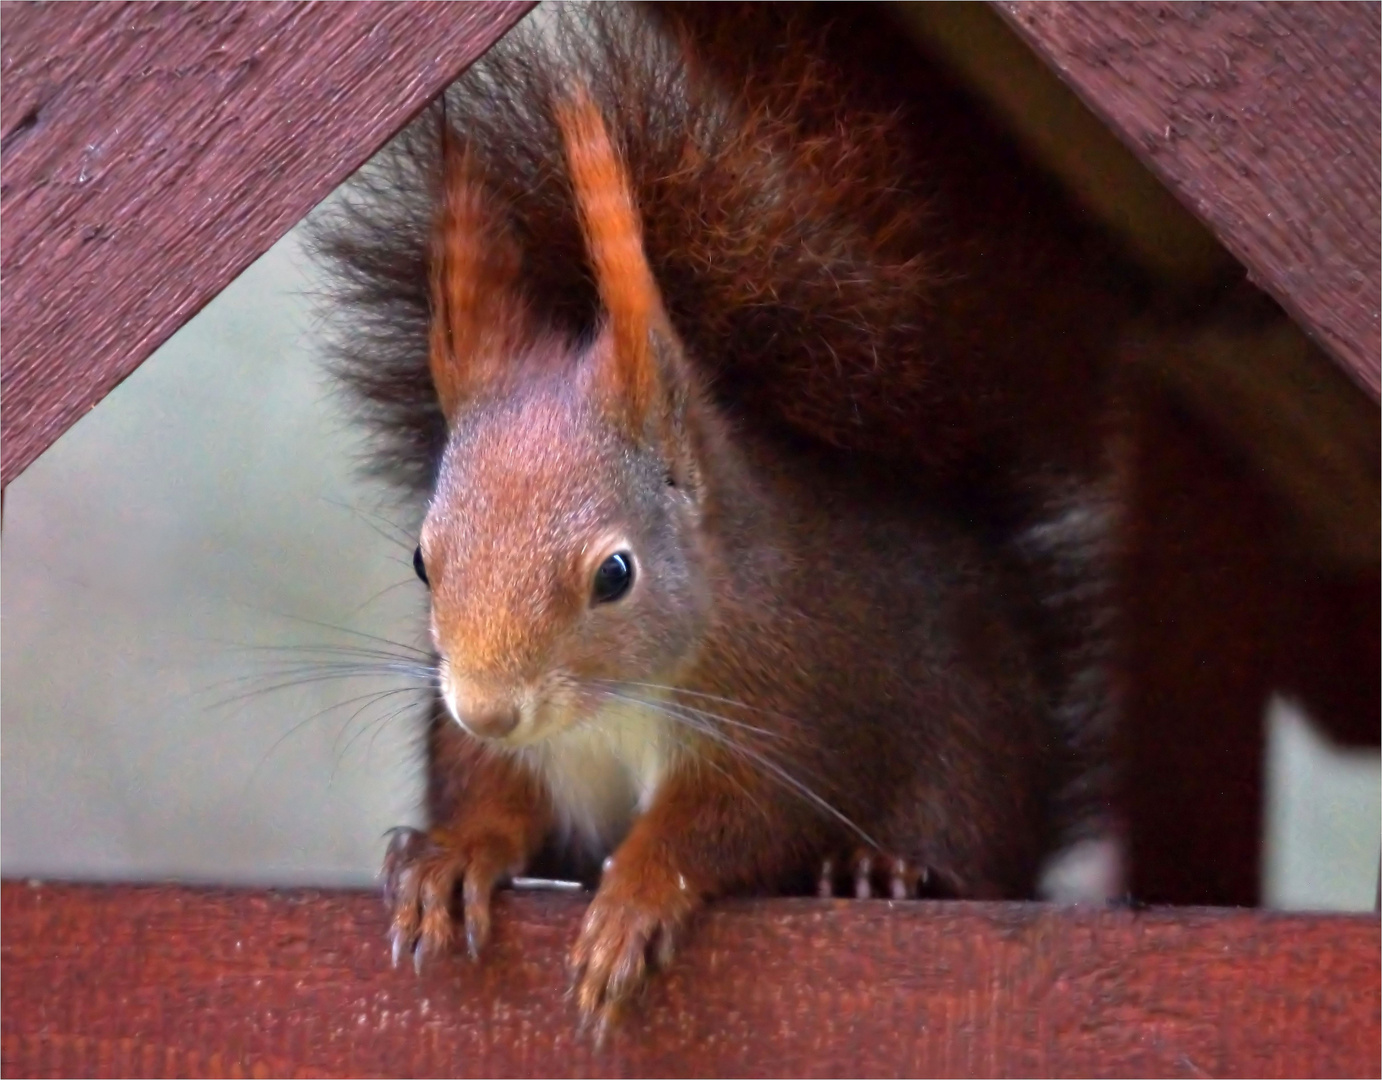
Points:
[(175, 981), (152, 151), (1265, 120), (1201, 595)]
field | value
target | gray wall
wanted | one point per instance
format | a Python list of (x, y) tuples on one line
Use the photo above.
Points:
[(207, 509), (157, 563)]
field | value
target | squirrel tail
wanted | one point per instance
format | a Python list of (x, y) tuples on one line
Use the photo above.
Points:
[(840, 238)]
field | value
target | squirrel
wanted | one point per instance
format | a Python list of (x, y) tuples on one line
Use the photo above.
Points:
[(761, 428)]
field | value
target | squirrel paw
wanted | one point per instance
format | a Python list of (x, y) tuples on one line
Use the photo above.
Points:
[(629, 931), (420, 874), (867, 873)]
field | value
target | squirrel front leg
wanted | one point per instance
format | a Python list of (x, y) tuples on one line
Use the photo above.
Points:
[(712, 826), (489, 817)]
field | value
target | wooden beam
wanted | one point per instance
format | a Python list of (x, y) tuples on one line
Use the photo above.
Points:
[(152, 151), (1265, 120), (1056, 128), (1201, 599), (172, 981)]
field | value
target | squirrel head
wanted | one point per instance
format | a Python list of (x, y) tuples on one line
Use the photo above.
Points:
[(563, 543)]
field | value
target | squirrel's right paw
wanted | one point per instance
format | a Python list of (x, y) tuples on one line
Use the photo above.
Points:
[(421, 871)]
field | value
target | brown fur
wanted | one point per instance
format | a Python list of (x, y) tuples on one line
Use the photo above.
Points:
[(614, 238), (874, 687), (844, 243), (477, 310), (839, 235), (736, 235)]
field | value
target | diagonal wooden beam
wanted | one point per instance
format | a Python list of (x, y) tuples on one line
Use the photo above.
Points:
[(1264, 119), (149, 152), (184, 982)]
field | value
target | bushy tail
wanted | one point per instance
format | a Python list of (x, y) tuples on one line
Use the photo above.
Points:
[(839, 238)]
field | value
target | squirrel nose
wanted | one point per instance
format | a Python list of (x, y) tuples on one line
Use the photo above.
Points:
[(485, 711), (490, 721)]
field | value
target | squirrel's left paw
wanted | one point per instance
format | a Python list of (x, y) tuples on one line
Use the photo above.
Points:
[(630, 930)]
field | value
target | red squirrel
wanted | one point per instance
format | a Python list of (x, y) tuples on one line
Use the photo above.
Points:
[(669, 326)]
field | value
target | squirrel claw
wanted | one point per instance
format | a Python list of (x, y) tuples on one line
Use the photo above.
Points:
[(605, 1023), (476, 934), (868, 874), (597, 1023), (825, 883), (863, 872)]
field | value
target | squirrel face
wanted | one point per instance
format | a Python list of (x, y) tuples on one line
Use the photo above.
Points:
[(562, 543), (562, 559)]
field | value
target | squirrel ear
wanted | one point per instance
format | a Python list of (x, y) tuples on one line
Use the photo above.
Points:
[(477, 308), (638, 338)]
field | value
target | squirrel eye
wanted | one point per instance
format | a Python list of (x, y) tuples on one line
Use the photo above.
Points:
[(613, 578), (420, 566)]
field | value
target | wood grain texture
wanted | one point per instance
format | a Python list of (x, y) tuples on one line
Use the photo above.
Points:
[(167, 981), (1264, 120), (152, 151)]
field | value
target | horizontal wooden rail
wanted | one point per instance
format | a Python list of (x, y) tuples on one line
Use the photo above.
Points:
[(155, 981)]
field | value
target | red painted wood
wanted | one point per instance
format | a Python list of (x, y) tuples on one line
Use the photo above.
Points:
[(1265, 120), (169, 981), (1201, 593), (152, 151)]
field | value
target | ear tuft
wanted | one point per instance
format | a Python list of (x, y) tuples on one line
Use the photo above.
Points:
[(477, 307), (614, 237)]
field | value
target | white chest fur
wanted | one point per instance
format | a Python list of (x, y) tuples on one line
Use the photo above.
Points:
[(604, 772)]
